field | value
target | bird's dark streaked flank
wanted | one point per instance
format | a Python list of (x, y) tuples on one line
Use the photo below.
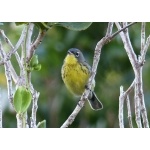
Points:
[(75, 74)]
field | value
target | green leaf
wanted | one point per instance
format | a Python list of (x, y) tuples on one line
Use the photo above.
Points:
[(26, 100), (42, 25), (77, 26), (1, 24), (42, 124), (34, 61), (17, 100), (37, 67), (20, 23), (22, 99)]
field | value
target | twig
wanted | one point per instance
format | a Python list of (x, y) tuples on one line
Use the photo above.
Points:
[(96, 59), (122, 29), (129, 112), (129, 89), (34, 106), (8, 75), (1, 112), (36, 43), (128, 47), (19, 121), (122, 97), (14, 49), (121, 103), (109, 29), (144, 50), (143, 35), (28, 38)]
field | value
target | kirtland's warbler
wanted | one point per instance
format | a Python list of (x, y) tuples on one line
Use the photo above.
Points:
[(75, 74)]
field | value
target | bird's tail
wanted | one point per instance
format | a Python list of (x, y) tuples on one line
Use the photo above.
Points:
[(94, 101)]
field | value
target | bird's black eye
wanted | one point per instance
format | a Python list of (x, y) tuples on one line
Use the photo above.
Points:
[(77, 54)]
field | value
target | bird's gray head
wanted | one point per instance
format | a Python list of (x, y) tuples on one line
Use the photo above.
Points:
[(77, 53)]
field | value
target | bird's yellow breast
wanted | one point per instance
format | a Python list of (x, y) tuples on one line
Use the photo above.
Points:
[(74, 75)]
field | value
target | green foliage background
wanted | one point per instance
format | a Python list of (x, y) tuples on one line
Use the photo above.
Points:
[(55, 102)]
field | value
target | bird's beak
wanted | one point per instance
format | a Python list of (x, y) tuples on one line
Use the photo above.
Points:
[(69, 53)]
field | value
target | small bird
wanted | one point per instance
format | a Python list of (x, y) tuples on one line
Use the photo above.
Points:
[(75, 73)]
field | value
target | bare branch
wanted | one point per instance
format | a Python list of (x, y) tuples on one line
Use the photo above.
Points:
[(122, 29), (36, 43), (74, 113), (121, 103), (109, 29), (129, 89), (14, 49), (137, 107), (143, 35), (140, 95), (129, 112), (144, 50), (128, 47), (28, 38), (34, 106), (8, 74), (19, 121)]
